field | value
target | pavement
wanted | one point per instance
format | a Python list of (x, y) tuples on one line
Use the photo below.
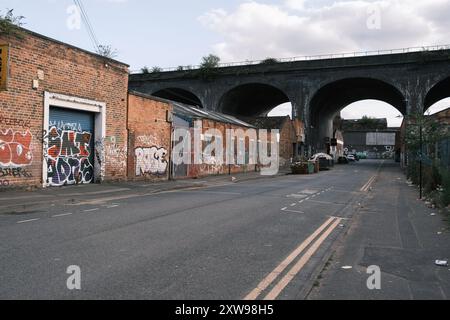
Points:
[(396, 232), (253, 238)]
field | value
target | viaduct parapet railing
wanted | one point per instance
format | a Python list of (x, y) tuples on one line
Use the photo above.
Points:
[(309, 58)]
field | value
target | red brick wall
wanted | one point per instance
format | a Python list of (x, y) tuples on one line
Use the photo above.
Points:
[(68, 71), (287, 140), (149, 138), (212, 168)]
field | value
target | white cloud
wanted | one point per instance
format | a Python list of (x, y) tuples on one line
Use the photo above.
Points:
[(295, 4), (298, 27)]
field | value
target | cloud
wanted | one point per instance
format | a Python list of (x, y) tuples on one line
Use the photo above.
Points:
[(257, 30)]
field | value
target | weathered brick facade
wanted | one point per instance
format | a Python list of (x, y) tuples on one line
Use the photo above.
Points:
[(39, 65), (149, 137), (211, 166)]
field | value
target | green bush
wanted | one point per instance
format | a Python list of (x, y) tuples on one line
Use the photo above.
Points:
[(431, 178), (445, 188)]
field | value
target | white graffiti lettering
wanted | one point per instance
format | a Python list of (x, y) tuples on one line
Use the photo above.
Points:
[(151, 161)]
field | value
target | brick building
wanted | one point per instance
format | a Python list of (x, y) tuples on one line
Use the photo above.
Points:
[(371, 137), (63, 113), (186, 116), (149, 137), (291, 135)]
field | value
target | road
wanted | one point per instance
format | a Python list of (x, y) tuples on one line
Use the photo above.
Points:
[(258, 239)]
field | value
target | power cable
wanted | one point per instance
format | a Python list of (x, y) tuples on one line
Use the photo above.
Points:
[(88, 24)]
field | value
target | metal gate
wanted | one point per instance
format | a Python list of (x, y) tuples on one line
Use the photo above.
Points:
[(70, 147)]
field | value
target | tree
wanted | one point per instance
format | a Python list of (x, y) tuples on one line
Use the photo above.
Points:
[(145, 70), (208, 67), (10, 24), (210, 62), (269, 61), (422, 136), (107, 51), (156, 69)]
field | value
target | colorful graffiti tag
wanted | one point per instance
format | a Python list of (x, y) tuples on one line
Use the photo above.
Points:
[(151, 161), (68, 157), (15, 148)]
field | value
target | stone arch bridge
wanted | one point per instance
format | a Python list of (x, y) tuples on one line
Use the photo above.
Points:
[(318, 89)]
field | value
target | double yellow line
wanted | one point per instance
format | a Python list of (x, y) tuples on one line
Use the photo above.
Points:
[(366, 187), (321, 234)]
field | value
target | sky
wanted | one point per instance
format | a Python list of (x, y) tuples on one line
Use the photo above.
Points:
[(172, 33)]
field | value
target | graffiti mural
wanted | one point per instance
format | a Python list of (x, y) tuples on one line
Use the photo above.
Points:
[(68, 157), (151, 161), (15, 148), (4, 183), (15, 173), (147, 140), (109, 149)]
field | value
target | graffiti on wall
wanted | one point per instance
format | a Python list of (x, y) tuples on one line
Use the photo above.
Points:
[(151, 161), (108, 148), (14, 122), (210, 165), (67, 156), (15, 148), (147, 140)]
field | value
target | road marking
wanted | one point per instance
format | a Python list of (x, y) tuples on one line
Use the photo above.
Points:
[(366, 187), (271, 277), (104, 200), (293, 204), (296, 196), (219, 192), (112, 206), (90, 210), (25, 221), (293, 211), (327, 202), (275, 292), (282, 209), (62, 215)]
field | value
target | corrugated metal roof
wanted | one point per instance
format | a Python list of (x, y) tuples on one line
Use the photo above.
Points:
[(195, 113), (269, 122)]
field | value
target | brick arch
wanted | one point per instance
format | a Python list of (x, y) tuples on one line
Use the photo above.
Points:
[(179, 95), (438, 92), (252, 99)]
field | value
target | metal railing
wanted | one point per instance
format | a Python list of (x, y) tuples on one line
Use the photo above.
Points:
[(309, 58)]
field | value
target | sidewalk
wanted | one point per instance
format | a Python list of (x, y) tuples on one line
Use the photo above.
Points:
[(20, 201), (398, 233)]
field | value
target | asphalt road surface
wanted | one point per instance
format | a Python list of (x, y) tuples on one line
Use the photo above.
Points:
[(259, 239)]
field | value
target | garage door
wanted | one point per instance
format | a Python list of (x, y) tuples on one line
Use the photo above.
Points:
[(70, 149)]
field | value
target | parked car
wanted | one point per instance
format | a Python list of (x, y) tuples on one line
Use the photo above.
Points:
[(325, 160), (351, 158)]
